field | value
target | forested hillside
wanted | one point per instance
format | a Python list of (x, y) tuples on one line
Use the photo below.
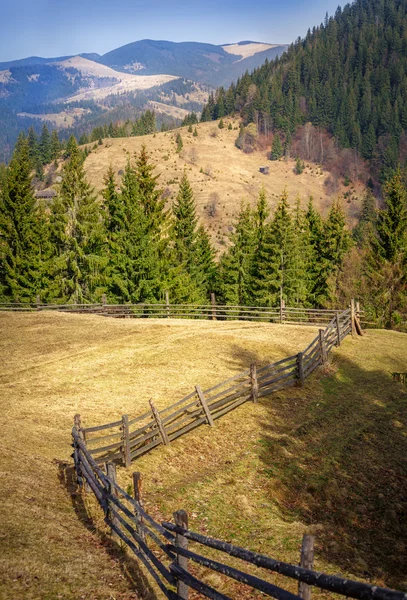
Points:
[(348, 76)]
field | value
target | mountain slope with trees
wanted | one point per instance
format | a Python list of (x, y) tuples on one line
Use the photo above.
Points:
[(348, 76)]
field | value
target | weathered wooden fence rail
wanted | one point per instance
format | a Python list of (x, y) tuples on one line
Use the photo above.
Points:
[(213, 311), (128, 438), (163, 547)]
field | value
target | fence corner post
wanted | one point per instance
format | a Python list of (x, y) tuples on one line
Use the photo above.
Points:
[(322, 348), (139, 499), (213, 302), (307, 562), (76, 456), (253, 382), (126, 441), (181, 519), (300, 363), (282, 312)]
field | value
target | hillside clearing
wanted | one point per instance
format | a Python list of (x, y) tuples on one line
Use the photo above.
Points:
[(221, 175), (266, 462)]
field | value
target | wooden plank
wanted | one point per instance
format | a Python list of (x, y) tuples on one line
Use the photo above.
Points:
[(101, 427), (111, 491), (204, 405), (307, 562), (187, 428), (102, 438), (134, 434), (231, 407), (188, 410), (146, 448), (105, 448), (352, 316)]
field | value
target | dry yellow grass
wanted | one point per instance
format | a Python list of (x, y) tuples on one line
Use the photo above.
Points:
[(233, 176), (234, 480)]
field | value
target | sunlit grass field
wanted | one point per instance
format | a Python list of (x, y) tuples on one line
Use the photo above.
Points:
[(329, 458)]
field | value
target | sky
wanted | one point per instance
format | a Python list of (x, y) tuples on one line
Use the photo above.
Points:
[(51, 28)]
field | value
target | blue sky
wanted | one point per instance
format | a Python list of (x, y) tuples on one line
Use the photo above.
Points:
[(62, 27)]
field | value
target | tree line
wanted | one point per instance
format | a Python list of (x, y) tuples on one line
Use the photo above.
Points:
[(129, 246)]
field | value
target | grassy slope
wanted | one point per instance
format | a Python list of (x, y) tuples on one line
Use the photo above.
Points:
[(235, 176), (330, 458)]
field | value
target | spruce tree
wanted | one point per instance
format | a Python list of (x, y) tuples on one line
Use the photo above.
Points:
[(77, 236), (276, 148), (236, 264), (24, 243), (45, 146)]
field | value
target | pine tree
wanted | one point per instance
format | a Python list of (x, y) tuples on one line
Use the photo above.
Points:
[(55, 145), (24, 245), (276, 148), (179, 142), (77, 236), (392, 222), (184, 224), (236, 264), (45, 146), (366, 226), (149, 194)]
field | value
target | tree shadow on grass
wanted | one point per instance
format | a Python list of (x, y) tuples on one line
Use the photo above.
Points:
[(336, 455), (130, 567)]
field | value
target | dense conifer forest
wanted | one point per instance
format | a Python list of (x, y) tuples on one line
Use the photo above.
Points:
[(348, 76), (131, 248)]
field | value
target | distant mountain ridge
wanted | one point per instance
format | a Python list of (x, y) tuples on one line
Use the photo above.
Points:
[(202, 62), (36, 88)]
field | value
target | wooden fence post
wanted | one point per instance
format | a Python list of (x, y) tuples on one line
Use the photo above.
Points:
[(358, 325), (254, 383), (352, 317), (111, 491), (306, 561), (167, 304), (338, 330), (322, 348), (139, 499), (181, 519), (160, 426), (213, 302), (126, 440), (204, 405), (104, 299), (300, 362), (77, 421), (77, 425)]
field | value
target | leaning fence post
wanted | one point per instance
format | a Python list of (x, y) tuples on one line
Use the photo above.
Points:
[(204, 405), (307, 562), (126, 440), (111, 491), (253, 382), (77, 421), (352, 317), (338, 330), (322, 348), (160, 425), (167, 304), (138, 498), (300, 362), (181, 519), (213, 302)]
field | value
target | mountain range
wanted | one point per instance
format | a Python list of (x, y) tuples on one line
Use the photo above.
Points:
[(68, 90)]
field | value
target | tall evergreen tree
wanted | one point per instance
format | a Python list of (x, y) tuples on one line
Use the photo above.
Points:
[(24, 245), (77, 236)]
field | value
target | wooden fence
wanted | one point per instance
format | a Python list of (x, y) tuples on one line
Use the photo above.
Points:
[(127, 438), (214, 311), (163, 548)]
